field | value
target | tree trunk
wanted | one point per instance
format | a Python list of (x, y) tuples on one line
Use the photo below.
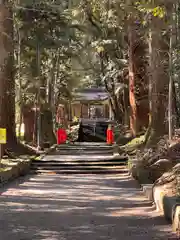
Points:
[(3, 59), (47, 127), (7, 73), (175, 107), (28, 119), (19, 82), (170, 95), (158, 81), (132, 99), (116, 109), (137, 79), (126, 106)]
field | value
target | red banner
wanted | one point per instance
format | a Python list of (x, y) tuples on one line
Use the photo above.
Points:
[(61, 136)]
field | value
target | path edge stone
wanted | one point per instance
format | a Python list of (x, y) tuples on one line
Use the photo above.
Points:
[(168, 206), (176, 220), (15, 168)]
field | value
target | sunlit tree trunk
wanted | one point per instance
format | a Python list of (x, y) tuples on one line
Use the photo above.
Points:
[(132, 98), (159, 80), (137, 79)]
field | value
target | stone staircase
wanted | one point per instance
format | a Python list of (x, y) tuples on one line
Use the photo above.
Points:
[(81, 158)]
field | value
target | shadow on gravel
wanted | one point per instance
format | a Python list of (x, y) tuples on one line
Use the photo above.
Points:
[(93, 207)]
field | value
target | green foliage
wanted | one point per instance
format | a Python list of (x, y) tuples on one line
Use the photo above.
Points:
[(63, 43), (48, 45), (80, 43)]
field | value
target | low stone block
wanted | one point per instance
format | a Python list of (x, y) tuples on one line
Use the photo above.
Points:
[(148, 191), (169, 204), (14, 168), (176, 220), (6, 175), (13, 165), (140, 174), (143, 176), (15, 171), (158, 195), (25, 168)]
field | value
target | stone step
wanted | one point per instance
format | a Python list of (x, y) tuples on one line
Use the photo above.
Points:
[(77, 167), (80, 159), (83, 158), (81, 171), (80, 151), (79, 163), (85, 146)]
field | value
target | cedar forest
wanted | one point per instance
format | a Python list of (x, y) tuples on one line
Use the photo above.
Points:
[(50, 47)]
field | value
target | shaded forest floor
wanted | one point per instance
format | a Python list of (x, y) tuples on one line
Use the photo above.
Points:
[(78, 207)]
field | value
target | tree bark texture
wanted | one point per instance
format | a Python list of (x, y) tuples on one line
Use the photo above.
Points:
[(159, 79), (138, 96), (7, 73)]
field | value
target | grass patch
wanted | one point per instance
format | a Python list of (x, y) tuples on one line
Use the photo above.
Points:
[(4, 169), (132, 146), (8, 162), (136, 142), (36, 158), (129, 164)]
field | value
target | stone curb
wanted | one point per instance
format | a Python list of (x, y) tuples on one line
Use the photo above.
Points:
[(148, 191), (176, 220), (168, 206), (15, 168), (18, 167)]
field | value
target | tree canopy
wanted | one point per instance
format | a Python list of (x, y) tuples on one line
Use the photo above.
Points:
[(129, 47)]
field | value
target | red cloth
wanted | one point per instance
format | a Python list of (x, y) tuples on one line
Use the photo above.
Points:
[(61, 136), (110, 136)]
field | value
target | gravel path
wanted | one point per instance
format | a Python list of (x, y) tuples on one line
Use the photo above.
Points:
[(53, 207)]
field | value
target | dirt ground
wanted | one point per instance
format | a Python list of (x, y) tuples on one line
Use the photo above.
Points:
[(78, 207)]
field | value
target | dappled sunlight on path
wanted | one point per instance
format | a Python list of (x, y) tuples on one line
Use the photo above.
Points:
[(91, 207)]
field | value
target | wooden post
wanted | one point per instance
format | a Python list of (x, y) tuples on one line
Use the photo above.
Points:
[(110, 112), (81, 109), (2, 139)]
